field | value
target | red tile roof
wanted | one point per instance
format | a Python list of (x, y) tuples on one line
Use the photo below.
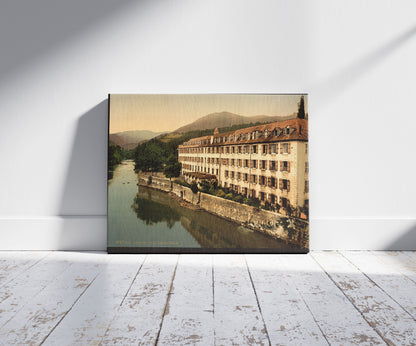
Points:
[(298, 132)]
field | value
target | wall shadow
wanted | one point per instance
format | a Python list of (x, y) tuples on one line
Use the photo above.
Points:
[(85, 187), (32, 29), (406, 242)]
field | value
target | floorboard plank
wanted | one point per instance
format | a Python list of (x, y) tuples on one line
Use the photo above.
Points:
[(238, 320), (391, 322), (402, 261), (139, 318), (338, 319), (411, 255), (80, 299), (92, 314), (287, 317), (12, 264), (387, 276), (189, 318), (18, 292), (31, 324)]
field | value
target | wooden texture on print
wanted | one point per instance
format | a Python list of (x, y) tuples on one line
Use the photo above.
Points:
[(186, 174)]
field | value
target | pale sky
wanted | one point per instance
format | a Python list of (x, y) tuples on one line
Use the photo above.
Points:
[(166, 112)]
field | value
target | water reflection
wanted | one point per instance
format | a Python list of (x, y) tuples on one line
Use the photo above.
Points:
[(144, 217), (208, 230), (126, 229), (152, 212)]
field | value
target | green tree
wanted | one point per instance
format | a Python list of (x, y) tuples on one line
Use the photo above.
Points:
[(155, 153), (148, 157), (204, 186), (229, 196), (254, 202), (220, 193), (173, 167), (194, 187), (301, 108), (238, 199), (116, 154)]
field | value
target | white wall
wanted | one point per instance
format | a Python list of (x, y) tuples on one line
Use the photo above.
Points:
[(59, 59)]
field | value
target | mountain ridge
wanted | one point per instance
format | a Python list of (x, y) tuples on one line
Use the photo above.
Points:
[(227, 119), (130, 139)]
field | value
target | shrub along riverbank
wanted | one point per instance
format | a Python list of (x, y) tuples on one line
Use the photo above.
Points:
[(212, 188), (116, 154), (290, 229)]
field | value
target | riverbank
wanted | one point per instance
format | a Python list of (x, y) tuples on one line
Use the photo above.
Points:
[(182, 202), (290, 230)]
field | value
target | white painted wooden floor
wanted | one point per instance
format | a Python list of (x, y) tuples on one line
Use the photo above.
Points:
[(336, 298)]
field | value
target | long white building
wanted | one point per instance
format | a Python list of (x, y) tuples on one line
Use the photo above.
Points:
[(268, 162)]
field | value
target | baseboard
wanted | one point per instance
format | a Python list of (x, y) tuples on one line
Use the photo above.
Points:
[(90, 233), (363, 234), (80, 233)]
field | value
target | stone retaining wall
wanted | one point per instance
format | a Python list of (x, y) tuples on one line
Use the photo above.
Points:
[(291, 230), (159, 183)]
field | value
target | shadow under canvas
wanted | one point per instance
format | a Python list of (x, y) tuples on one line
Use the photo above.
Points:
[(84, 198)]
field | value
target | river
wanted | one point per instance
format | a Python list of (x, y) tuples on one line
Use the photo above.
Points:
[(140, 217)]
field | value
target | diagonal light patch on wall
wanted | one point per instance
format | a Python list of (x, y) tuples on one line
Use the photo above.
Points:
[(30, 30), (334, 85)]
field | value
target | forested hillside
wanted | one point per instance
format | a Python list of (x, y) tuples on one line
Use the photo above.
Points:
[(155, 154)]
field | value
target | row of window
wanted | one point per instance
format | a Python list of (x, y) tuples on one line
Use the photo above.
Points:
[(260, 164), (282, 184), (193, 168), (263, 196), (275, 148), (200, 169)]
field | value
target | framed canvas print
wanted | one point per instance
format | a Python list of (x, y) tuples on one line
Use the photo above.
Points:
[(208, 173)]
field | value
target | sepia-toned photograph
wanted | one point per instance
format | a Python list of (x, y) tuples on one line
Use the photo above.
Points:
[(219, 173)]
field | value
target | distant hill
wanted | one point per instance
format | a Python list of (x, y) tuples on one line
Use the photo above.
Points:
[(227, 119), (130, 139)]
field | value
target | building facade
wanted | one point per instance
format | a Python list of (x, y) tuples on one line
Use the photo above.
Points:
[(268, 162)]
